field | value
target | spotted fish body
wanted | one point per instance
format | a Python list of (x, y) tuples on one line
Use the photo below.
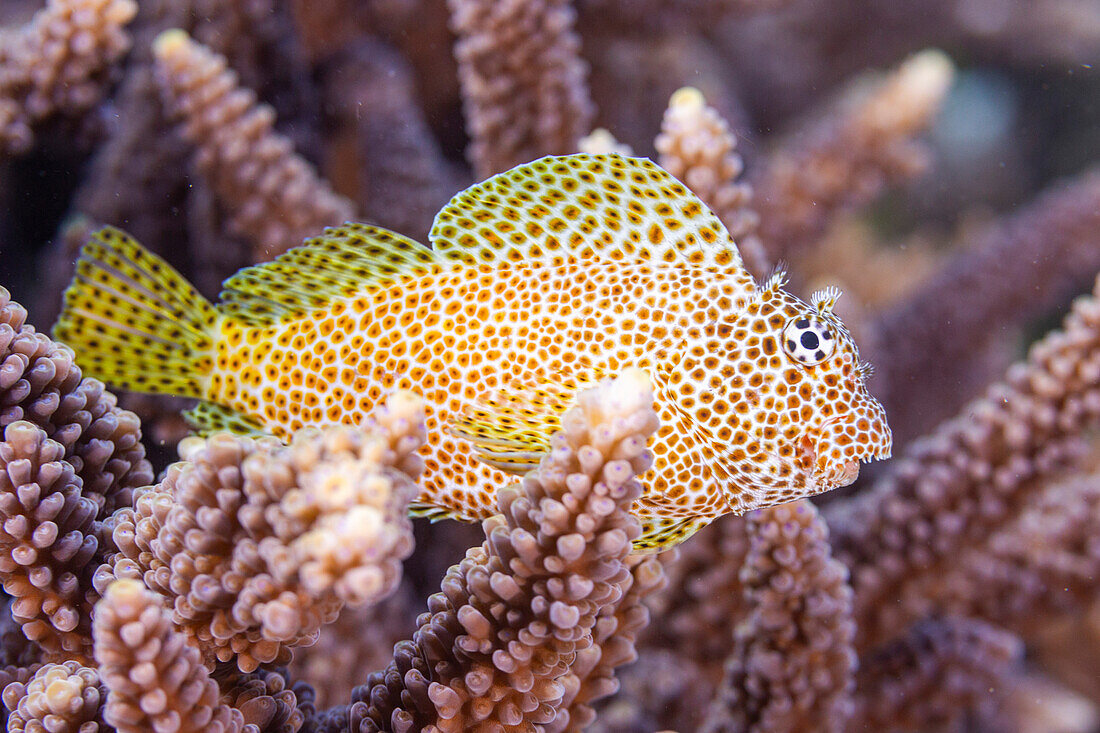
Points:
[(541, 281)]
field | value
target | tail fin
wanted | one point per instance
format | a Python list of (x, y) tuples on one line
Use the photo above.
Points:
[(134, 322)]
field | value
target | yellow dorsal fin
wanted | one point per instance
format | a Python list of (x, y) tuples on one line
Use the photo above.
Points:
[(605, 207), (341, 261)]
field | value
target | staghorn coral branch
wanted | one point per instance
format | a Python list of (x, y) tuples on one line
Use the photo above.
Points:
[(703, 596), (275, 196), (592, 676), (696, 146), (388, 157), (155, 680), (70, 457), (55, 62), (954, 488), (267, 702), (523, 80), (59, 697), (848, 158), (939, 671), (1040, 564), (793, 663), (496, 645), (46, 541), (258, 545), (1047, 249)]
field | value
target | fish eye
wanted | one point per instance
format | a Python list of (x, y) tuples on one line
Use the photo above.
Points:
[(808, 340)]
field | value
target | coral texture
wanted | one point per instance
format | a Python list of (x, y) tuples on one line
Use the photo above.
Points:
[(953, 488), (257, 546), (155, 680), (522, 80), (696, 146), (793, 663), (55, 63), (492, 651), (955, 203), (46, 542), (803, 186), (59, 697), (275, 196)]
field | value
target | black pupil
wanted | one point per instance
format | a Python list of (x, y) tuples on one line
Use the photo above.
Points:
[(809, 340)]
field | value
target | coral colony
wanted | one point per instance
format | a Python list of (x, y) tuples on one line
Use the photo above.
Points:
[(539, 293)]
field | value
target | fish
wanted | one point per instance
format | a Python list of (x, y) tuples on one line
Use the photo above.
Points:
[(539, 282)]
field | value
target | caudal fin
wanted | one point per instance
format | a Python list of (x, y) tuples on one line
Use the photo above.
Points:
[(134, 322)]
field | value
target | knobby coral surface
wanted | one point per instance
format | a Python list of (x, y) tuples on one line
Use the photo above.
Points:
[(257, 545), (495, 650), (929, 189)]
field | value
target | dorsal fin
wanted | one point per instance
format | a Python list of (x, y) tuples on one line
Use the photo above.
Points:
[(341, 261), (587, 207)]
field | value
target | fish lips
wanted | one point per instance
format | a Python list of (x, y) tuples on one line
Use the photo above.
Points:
[(822, 453)]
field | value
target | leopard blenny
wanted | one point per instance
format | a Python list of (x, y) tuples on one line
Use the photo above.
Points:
[(539, 282)]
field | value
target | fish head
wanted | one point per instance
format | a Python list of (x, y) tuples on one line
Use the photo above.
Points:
[(780, 394)]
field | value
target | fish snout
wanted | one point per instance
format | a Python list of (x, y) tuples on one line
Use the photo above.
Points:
[(833, 452)]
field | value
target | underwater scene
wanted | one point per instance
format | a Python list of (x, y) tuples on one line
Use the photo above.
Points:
[(550, 365)]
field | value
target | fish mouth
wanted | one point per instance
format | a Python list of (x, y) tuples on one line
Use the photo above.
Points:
[(829, 473)]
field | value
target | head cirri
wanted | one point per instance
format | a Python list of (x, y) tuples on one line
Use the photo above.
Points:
[(783, 401)]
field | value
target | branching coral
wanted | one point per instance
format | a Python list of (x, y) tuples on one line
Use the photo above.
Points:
[(155, 680), (793, 663), (847, 158), (523, 80), (496, 644), (58, 697), (696, 146), (256, 545), (249, 556), (47, 542), (55, 63), (275, 196), (1050, 248), (70, 458), (930, 677), (953, 488)]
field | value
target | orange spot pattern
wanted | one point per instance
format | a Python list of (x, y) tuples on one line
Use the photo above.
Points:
[(561, 272), (743, 424)]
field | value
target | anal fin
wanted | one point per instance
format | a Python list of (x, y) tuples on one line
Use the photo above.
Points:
[(207, 418), (664, 533)]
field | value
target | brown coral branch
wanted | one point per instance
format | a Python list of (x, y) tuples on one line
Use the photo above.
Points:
[(697, 146), (70, 458), (387, 159), (704, 595), (46, 541), (497, 642), (55, 62), (155, 679), (259, 545), (592, 676), (523, 80), (938, 672), (793, 663), (850, 156), (1040, 564), (1047, 249), (275, 196), (954, 488), (59, 697)]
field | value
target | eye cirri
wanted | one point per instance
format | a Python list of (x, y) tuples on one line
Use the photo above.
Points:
[(808, 341)]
